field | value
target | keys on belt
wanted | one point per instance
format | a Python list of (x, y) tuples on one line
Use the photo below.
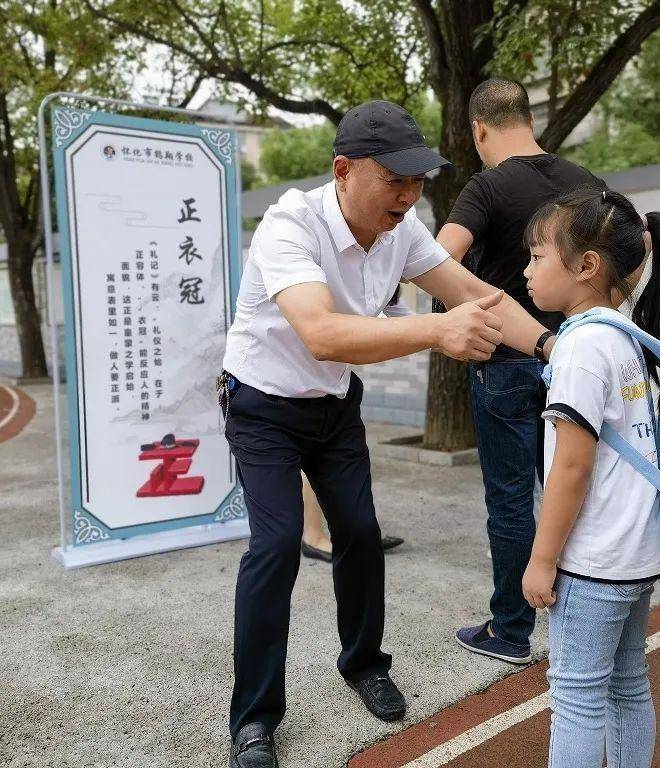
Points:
[(224, 384)]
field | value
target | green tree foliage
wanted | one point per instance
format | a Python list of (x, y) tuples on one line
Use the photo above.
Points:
[(563, 34), (429, 116), (635, 95), (630, 133), (630, 146), (48, 46), (565, 43), (304, 56), (45, 46), (250, 176), (297, 153)]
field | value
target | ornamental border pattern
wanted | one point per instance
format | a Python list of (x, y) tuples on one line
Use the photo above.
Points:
[(233, 508), (220, 141), (67, 122), (85, 532)]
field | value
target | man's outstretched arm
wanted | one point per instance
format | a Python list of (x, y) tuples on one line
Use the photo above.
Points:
[(469, 332), (453, 285)]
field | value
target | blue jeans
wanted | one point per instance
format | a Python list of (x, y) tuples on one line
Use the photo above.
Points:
[(598, 675), (507, 401)]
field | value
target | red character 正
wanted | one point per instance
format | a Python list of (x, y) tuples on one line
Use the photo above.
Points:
[(166, 478)]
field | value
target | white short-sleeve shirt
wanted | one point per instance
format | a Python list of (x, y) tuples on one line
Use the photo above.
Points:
[(598, 377), (304, 238)]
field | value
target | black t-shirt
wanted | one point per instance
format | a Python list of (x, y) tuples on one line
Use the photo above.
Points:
[(495, 205)]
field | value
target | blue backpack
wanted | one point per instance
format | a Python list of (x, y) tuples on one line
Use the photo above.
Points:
[(609, 435)]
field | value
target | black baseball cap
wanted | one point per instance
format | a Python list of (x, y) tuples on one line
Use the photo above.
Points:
[(389, 134)]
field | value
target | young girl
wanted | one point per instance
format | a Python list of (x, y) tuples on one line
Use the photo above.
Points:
[(597, 549)]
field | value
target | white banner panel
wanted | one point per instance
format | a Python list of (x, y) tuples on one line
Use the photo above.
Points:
[(149, 231)]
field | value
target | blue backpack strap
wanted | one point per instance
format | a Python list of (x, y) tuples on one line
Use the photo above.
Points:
[(645, 467), (631, 455), (596, 315)]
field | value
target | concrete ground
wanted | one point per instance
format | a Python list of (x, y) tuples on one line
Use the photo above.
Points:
[(129, 665)]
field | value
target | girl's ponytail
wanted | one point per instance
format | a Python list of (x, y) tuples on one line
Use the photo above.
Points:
[(646, 313)]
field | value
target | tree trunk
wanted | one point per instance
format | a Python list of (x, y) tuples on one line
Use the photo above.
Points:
[(458, 68), (28, 322), (448, 425)]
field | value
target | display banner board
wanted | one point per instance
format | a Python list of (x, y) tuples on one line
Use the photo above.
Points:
[(149, 243)]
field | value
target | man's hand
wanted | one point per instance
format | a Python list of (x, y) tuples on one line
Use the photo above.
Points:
[(453, 285), (470, 331), (538, 584)]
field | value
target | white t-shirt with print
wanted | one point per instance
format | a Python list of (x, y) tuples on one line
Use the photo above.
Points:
[(597, 377)]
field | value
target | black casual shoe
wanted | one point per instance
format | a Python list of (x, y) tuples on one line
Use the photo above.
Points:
[(315, 554), (389, 542), (380, 696), (253, 747)]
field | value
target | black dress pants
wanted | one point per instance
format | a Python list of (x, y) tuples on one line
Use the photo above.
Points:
[(272, 439)]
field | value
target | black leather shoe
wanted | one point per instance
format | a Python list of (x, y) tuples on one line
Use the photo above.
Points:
[(253, 747), (315, 554), (380, 696), (389, 542)]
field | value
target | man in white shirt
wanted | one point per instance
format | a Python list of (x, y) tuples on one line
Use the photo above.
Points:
[(322, 266)]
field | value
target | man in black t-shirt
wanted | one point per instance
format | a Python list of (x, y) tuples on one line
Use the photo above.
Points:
[(507, 392)]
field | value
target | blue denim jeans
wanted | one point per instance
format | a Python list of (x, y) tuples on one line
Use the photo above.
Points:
[(507, 401), (598, 675)]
